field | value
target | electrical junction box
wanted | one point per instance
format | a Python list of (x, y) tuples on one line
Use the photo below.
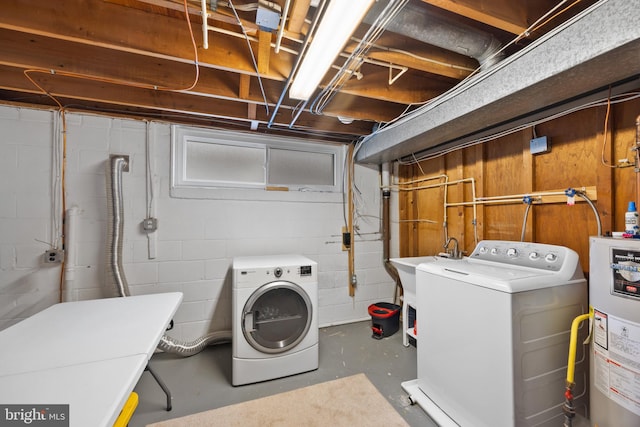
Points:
[(539, 145), (149, 225), (268, 16)]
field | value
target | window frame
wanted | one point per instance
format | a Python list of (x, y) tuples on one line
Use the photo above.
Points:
[(181, 187)]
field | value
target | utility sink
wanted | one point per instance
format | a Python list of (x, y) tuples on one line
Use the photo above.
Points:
[(407, 270)]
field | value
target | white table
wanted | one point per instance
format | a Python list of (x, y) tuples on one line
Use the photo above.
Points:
[(88, 354)]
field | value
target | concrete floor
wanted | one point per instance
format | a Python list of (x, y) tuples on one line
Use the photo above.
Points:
[(203, 381)]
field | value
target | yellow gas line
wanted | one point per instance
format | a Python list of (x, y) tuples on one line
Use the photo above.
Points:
[(573, 343)]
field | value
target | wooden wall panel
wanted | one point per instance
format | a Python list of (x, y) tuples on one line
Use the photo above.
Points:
[(626, 185), (572, 163), (504, 176), (505, 166)]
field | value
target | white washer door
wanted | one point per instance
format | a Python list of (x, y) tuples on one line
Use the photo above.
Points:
[(276, 317)]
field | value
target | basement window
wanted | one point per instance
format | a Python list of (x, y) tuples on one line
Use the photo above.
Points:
[(211, 164)]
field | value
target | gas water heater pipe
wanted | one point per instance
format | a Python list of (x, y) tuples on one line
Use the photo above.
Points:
[(386, 233), (568, 408)]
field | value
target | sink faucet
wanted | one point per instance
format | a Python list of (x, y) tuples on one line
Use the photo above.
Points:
[(456, 254)]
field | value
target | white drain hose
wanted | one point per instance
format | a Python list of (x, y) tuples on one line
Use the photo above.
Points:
[(114, 253)]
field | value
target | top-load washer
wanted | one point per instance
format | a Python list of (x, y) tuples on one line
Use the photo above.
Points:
[(275, 317), (494, 335)]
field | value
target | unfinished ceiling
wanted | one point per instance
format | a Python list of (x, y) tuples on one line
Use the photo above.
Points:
[(137, 57)]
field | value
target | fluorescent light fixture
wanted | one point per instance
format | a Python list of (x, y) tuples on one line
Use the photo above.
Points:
[(338, 23)]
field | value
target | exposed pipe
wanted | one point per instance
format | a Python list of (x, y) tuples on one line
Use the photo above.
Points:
[(582, 194), (524, 222), (117, 164), (205, 24), (593, 208), (568, 408), (296, 65), (445, 186), (353, 279), (413, 22), (71, 229), (386, 234), (285, 12)]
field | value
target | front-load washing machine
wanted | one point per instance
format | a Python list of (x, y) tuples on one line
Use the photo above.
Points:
[(275, 317)]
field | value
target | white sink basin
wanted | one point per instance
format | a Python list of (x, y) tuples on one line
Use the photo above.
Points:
[(407, 270)]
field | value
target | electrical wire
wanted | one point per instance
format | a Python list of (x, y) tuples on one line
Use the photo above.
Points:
[(212, 122), (536, 28), (56, 187), (604, 132), (149, 173), (122, 81), (416, 56), (59, 190), (477, 76), (253, 58), (195, 47), (357, 57), (626, 97)]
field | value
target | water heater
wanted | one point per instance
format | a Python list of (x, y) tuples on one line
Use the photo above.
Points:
[(614, 297)]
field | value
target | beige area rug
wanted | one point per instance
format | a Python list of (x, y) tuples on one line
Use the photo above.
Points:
[(350, 402)]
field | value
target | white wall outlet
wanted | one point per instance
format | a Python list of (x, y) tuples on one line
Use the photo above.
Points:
[(149, 225), (53, 256)]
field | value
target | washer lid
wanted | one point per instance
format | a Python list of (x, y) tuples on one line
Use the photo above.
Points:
[(489, 275)]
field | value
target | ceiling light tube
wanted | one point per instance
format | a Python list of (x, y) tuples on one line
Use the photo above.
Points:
[(338, 23)]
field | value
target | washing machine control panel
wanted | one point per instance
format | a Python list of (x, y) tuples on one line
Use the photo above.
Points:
[(290, 272), (247, 271), (305, 270), (522, 254)]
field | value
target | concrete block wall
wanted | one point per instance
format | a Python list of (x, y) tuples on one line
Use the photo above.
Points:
[(196, 240)]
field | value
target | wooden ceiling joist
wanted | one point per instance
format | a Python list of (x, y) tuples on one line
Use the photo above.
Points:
[(86, 90), (138, 55), (503, 14)]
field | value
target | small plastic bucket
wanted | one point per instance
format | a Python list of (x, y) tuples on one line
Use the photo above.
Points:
[(385, 319)]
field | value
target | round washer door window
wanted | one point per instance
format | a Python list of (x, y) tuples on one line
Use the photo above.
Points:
[(276, 317)]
